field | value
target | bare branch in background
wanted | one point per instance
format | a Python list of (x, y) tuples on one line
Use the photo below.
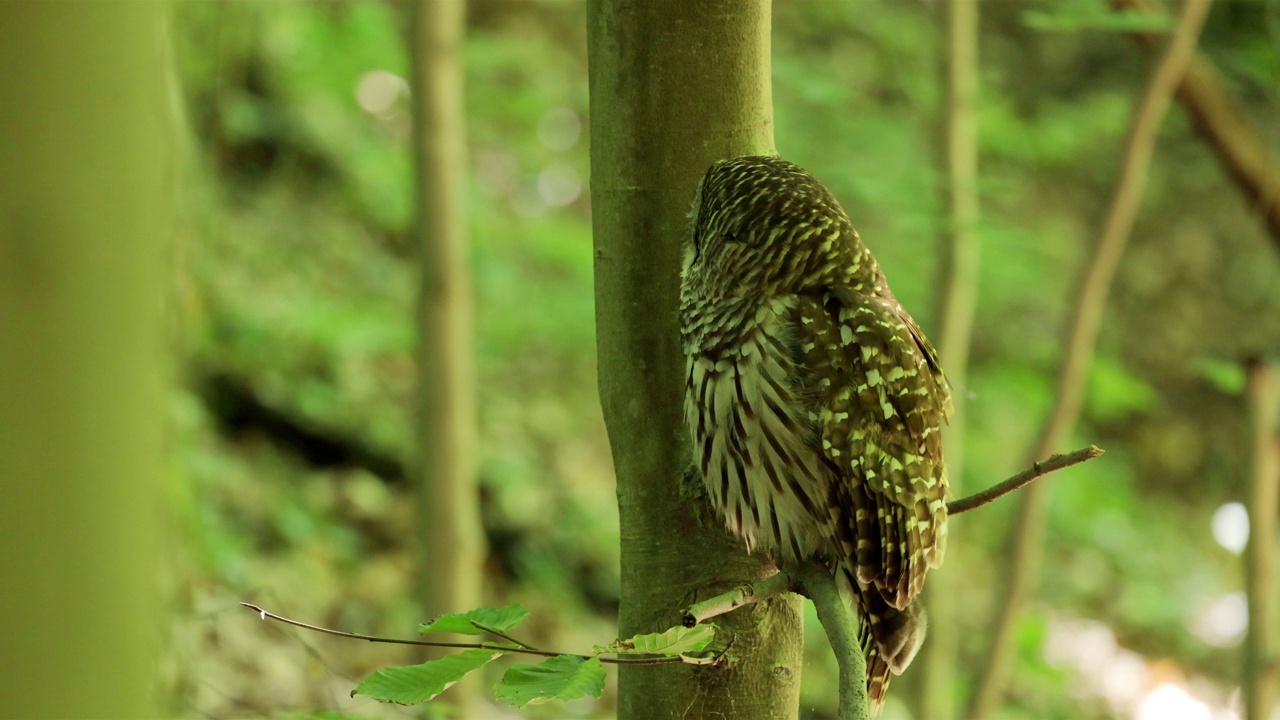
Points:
[(1216, 115), (1091, 299), (1262, 642)]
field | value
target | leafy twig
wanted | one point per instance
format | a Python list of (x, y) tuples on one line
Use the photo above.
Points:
[(481, 646)]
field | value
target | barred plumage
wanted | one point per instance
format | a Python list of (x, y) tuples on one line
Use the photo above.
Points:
[(814, 401)]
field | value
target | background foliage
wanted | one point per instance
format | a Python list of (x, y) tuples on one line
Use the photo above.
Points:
[(294, 286)]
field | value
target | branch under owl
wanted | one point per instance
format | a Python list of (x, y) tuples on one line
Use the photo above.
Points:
[(813, 580), (791, 581)]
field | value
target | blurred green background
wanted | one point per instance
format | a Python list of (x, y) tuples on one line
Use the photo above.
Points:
[(294, 287)]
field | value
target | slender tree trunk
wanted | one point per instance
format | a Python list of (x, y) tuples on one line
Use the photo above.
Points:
[(85, 145), (674, 86), (1262, 643), (449, 535), (958, 300), (1082, 337)]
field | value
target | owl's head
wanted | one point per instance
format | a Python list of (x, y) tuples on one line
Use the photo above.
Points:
[(760, 224)]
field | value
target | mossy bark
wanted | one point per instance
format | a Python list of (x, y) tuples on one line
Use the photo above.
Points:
[(85, 181), (674, 86)]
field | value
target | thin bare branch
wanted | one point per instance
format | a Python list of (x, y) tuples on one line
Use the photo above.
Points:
[(1037, 470), (788, 581)]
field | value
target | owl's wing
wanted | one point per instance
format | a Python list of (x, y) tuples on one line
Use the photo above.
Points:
[(882, 403)]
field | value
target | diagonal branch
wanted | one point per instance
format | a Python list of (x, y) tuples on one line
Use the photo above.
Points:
[(770, 587), (1083, 335), (1026, 477), (1216, 116)]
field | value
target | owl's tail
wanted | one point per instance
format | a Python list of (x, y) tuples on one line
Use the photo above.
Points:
[(889, 639)]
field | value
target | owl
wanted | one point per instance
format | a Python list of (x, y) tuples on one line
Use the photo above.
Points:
[(814, 402)]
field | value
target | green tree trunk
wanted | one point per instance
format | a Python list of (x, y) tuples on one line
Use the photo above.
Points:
[(1262, 642), (958, 299), (674, 86), (84, 178), (449, 518)]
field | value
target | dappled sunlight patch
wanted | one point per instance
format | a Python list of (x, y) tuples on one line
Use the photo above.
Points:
[(1231, 527), (1131, 684)]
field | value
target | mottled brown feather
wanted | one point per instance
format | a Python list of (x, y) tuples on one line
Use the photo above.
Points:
[(814, 400)]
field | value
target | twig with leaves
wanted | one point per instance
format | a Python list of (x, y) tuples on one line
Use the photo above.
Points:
[(562, 676)]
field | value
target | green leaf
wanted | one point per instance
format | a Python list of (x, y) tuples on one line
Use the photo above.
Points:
[(1095, 15), (418, 683), (1227, 377), (503, 618), (1115, 393), (678, 640), (564, 677)]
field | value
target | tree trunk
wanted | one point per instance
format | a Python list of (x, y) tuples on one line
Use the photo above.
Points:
[(958, 300), (85, 142), (1262, 643), (449, 532), (674, 86)]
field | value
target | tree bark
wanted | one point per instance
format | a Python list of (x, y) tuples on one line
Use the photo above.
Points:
[(674, 86), (85, 147), (449, 534)]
